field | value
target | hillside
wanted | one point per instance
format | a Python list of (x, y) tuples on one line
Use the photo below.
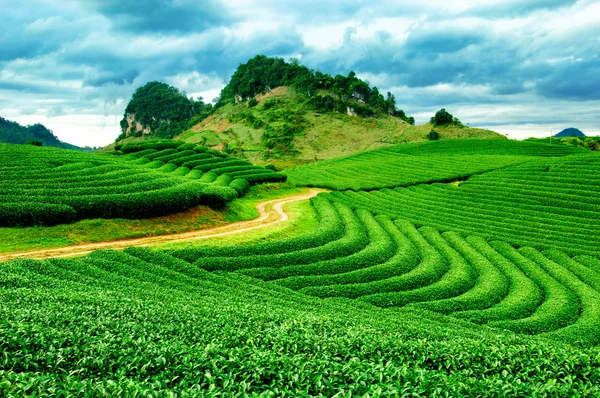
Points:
[(317, 135), (282, 112), (48, 186), (14, 133), (158, 110), (399, 286), (570, 132)]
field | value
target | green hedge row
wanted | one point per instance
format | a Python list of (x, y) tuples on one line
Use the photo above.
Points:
[(24, 214)]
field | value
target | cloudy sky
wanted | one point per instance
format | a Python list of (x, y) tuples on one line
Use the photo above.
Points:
[(520, 67)]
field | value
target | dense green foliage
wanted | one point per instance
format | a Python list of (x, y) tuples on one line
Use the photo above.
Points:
[(14, 133), (547, 203), (162, 109), (486, 288), (393, 264), (262, 74), (45, 186), (409, 164), (590, 143), (146, 323), (443, 117)]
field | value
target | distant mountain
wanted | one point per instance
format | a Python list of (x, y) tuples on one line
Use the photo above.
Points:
[(13, 133), (570, 132)]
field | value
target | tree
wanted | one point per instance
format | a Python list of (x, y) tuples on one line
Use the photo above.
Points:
[(442, 117)]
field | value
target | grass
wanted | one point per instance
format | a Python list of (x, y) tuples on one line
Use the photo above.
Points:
[(326, 135), (302, 220), (99, 230)]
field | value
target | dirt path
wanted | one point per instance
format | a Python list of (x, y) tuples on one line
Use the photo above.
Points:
[(270, 213)]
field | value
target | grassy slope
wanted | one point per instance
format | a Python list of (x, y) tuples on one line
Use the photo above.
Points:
[(327, 135)]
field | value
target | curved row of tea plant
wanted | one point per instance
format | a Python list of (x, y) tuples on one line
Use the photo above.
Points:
[(46, 186), (184, 158), (391, 263), (543, 204), (410, 164), (144, 323)]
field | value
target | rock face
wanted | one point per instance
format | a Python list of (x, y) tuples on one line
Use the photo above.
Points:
[(570, 132)]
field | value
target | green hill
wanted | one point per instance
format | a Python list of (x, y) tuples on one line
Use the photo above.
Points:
[(13, 133), (284, 124), (283, 112), (158, 110), (399, 287), (47, 186)]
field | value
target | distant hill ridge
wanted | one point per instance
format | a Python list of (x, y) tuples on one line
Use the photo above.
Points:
[(14, 133), (570, 132)]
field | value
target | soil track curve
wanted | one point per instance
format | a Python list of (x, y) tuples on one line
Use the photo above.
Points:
[(270, 213)]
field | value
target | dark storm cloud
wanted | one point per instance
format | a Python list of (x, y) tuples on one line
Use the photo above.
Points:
[(155, 16), (573, 80)]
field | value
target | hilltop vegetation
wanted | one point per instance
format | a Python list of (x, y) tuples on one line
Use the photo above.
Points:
[(284, 125), (14, 133), (161, 111)]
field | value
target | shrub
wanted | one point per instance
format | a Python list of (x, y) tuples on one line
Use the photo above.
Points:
[(433, 135)]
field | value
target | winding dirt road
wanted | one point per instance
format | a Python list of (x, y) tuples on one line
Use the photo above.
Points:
[(270, 213)]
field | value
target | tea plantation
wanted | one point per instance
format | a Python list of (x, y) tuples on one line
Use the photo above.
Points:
[(406, 286), (46, 186), (410, 164)]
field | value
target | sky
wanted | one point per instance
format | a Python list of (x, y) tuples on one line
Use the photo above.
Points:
[(522, 68)]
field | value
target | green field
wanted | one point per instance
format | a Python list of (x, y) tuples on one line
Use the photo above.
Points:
[(448, 268), (47, 186), (411, 164)]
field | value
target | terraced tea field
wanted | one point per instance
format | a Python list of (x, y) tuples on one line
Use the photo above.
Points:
[(410, 164), (50, 186), (142, 322), (403, 286), (551, 203)]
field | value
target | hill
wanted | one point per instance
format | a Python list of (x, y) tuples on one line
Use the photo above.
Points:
[(285, 124), (570, 132), (47, 186), (160, 111), (398, 286), (272, 109), (14, 133)]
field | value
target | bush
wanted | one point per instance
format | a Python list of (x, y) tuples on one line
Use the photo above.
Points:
[(433, 135), (252, 102), (240, 185), (35, 143)]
